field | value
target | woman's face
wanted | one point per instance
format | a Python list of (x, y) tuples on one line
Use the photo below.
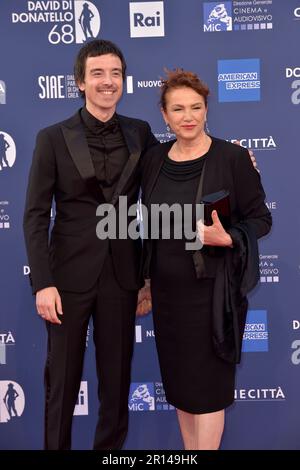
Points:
[(185, 112)]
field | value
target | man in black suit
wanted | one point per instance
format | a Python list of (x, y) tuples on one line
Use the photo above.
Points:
[(90, 159)]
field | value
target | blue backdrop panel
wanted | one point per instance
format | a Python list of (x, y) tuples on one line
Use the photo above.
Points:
[(247, 51)]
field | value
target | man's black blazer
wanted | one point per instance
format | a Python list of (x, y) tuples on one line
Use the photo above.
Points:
[(228, 166), (62, 168)]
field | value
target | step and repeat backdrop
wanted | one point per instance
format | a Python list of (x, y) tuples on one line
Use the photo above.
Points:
[(248, 53)]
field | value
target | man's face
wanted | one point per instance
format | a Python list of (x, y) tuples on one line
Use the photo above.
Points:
[(103, 83)]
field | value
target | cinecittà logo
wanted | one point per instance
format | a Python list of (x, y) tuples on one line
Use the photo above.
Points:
[(259, 394), (257, 143), (72, 21)]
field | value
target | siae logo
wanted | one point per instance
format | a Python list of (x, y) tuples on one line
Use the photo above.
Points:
[(57, 87), (72, 21), (146, 19), (52, 86)]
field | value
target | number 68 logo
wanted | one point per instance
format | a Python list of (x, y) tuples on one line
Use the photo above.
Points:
[(86, 25)]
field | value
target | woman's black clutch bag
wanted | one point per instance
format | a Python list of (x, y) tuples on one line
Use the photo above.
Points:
[(218, 201)]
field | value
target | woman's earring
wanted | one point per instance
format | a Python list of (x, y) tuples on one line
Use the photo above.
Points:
[(206, 129), (168, 128)]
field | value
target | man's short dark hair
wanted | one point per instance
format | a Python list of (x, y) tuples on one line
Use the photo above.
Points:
[(93, 49)]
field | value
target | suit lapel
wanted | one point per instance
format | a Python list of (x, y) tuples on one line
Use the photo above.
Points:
[(133, 145), (77, 145)]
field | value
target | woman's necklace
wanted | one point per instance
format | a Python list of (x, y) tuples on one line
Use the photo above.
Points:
[(179, 155)]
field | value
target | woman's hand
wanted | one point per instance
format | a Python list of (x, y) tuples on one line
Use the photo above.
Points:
[(215, 234)]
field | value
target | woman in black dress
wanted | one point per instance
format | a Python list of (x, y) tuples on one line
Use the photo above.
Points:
[(198, 339)]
